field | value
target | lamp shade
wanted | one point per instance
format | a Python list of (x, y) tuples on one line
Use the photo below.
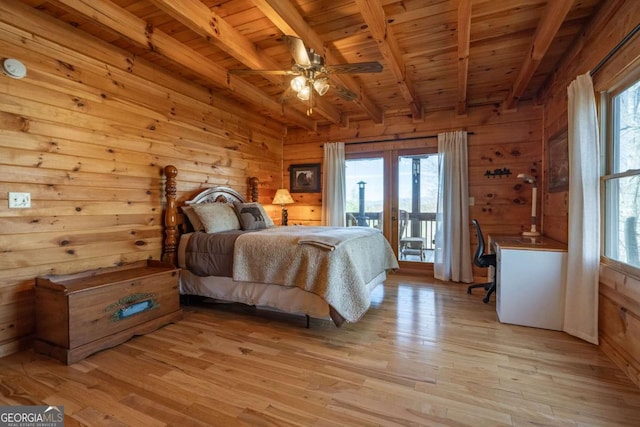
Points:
[(527, 178), (298, 83), (304, 93), (321, 86), (282, 197)]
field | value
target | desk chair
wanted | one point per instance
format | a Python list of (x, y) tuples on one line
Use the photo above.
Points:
[(483, 260), (409, 245)]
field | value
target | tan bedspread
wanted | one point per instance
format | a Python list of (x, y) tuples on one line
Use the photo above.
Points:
[(334, 263)]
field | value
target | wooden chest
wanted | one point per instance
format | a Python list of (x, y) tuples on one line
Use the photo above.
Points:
[(80, 314)]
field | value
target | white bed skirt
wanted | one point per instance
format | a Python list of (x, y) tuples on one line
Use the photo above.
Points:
[(287, 299)]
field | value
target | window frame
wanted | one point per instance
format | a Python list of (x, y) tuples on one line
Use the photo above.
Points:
[(607, 175)]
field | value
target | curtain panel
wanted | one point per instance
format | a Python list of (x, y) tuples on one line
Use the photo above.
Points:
[(453, 253), (334, 185), (583, 257)]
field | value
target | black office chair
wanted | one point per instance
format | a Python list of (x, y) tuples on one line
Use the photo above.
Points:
[(483, 260)]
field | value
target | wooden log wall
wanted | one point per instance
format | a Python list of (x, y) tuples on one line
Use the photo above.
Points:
[(619, 303), (87, 134), (510, 140)]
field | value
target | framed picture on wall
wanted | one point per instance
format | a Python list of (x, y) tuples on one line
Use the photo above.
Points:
[(304, 178), (558, 162)]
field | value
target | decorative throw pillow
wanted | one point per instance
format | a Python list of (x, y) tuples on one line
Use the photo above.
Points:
[(217, 217), (253, 216), (193, 218)]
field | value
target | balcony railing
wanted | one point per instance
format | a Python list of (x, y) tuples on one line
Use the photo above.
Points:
[(369, 219), (421, 224)]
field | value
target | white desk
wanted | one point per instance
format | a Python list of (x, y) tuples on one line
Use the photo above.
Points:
[(530, 275)]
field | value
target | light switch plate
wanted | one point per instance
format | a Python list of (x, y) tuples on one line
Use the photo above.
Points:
[(19, 200)]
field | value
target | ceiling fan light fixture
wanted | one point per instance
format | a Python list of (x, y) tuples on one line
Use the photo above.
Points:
[(304, 93), (321, 86), (311, 74), (298, 83)]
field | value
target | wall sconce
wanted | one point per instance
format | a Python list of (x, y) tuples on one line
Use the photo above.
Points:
[(283, 198), (498, 172), (531, 180)]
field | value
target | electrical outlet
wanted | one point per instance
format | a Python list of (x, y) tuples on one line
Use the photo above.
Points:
[(19, 200), (472, 201)]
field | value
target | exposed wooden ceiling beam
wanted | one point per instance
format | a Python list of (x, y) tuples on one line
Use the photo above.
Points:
[(464, 34), (290, 22), (374, 16), (140, 32), (552, 18), (570, 57), (208, 24)]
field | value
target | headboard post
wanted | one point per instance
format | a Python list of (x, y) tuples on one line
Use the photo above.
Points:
[(171, 216), (253, 184)]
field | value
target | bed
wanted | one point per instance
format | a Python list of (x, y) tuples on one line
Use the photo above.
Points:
[(317, 272)]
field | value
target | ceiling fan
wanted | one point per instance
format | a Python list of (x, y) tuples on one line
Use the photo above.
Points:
[(312, 74)]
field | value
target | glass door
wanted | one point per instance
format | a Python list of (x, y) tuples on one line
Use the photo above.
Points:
[(396, 192), (415, 205), (365, 191)]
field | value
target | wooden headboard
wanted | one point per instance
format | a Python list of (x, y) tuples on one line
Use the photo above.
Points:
[(208, 195)]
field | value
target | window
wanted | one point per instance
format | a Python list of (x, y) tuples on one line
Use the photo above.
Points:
[(417, 205), (424, 166), (622, 175), (365, 191)]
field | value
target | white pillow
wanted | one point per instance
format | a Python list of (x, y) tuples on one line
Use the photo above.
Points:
[(217, 217)]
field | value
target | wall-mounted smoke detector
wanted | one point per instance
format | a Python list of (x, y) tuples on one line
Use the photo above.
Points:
[(13, 68)]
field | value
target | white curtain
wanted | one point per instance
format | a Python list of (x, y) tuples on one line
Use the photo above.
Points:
[(334, 185), (581, 295), (453, 253)]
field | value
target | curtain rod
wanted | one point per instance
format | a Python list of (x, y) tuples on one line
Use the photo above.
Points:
[(375, 141), (615, 50)]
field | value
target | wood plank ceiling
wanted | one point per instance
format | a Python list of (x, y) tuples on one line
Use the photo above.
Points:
[(436, 54)]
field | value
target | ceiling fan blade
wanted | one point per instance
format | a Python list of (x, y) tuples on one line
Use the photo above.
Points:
[(345, 93), (288, 93), (266, 72), (298, 50), (358, 67)]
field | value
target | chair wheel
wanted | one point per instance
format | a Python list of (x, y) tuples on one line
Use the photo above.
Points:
[(469, 291), (485, 300)]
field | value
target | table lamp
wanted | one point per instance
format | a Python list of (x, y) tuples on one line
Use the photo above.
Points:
[(282, 198), (531, 180)]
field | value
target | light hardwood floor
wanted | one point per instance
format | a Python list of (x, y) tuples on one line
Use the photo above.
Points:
[(425, 354)]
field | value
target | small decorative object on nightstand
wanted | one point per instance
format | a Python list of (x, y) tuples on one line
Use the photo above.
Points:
[(283, 198)]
